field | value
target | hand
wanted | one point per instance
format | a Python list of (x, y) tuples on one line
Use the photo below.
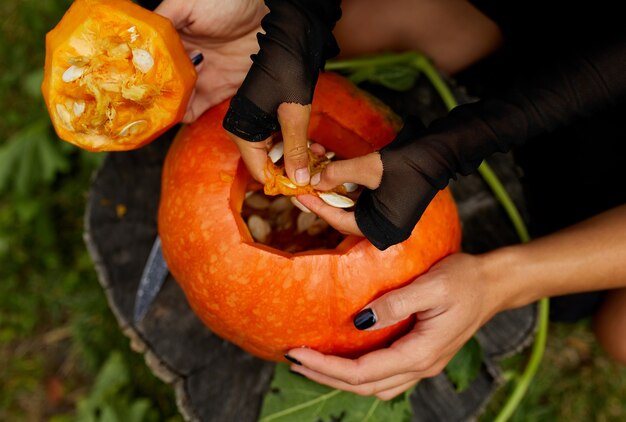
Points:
[(366, 170), (278, 89), (294, 123), (450, 302), (225, 34)]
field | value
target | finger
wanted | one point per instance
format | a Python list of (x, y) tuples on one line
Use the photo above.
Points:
[(294, 123), (366, 170), (254, 155), (396, 391), (371, 367), (397, 305), (366, 389), (177, 12), (341, 220)]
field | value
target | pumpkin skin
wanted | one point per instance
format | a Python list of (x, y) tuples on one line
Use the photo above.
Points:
[(116, 75), (268, 301)]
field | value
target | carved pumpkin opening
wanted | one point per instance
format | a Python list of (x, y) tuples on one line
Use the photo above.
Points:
[(274, 221)]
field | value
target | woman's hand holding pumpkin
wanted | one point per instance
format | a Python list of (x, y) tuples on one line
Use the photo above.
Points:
[(450, 303), (225, 34)]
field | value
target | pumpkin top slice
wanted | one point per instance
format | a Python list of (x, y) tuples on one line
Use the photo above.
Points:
[(116, 75)]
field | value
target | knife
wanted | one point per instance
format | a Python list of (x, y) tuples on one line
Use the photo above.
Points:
[(154, 274)]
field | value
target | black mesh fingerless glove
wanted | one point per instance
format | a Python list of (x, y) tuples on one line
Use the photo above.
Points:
[(420, 162), (297, 41)]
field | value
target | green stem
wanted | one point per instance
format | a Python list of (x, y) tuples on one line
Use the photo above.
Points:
[(370, 61), (505, 200)]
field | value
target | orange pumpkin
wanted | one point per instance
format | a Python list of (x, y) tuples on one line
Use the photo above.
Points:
[(266, 300), (116, 75)]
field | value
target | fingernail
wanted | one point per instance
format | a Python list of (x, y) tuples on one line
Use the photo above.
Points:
[(197, 59), (293, 360), (302, 176), (365, 319), (315, 179)]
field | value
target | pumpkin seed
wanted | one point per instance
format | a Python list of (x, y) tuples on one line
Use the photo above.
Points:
[(299, 204), (284, 220), (120, 51), (78, 108), (336, 200), (330, 155), (276, 152), (72, 73), (259, 228), (78, 61), (65, 116), (257, 201), (350, 187), (133, 33), (317, 227), (133, 128), (285, 181), (142, 60), (305, 220), (281, 204)]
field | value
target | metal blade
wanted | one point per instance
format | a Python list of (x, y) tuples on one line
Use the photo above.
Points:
[(154, 274)]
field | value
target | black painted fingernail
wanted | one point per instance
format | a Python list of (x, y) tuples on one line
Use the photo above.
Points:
[(197, 59), (364, 319), (294, 360)]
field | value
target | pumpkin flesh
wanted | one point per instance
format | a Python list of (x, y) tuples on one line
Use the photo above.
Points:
[(266, 300), (116, 75)]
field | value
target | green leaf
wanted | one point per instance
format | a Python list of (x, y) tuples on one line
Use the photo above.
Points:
[(32, 83), (296, 399), (465, 365), (31, 156), (110, 380), (395, 77)]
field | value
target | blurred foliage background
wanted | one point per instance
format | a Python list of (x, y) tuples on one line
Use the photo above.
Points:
[(62, 356)]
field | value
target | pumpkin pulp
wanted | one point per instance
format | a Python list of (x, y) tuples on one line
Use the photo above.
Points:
[(116, 75)]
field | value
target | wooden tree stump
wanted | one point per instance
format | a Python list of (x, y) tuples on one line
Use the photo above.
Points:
[(215, 380)]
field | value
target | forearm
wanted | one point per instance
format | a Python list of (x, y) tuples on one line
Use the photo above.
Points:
[(585, 257)]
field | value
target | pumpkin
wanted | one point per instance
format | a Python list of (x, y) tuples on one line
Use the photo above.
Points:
[(116, 75), (266, 300)]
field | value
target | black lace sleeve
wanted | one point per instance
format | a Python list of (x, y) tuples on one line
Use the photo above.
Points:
[(297, 41), (578, 83)]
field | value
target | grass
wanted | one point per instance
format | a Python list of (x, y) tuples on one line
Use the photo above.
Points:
[(59, 343)]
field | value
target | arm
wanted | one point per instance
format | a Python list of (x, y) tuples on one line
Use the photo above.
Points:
[(420, 162), (585, 257)]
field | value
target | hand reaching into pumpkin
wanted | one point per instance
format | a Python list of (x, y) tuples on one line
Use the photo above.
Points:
[(450, 302), (278, 90)]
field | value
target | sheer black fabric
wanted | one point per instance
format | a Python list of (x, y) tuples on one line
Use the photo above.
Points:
[(579, 83), (297, 41)]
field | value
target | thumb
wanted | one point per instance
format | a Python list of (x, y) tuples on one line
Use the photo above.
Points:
[(393, 307), (365, 170), (294, 124), (176, 11)]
